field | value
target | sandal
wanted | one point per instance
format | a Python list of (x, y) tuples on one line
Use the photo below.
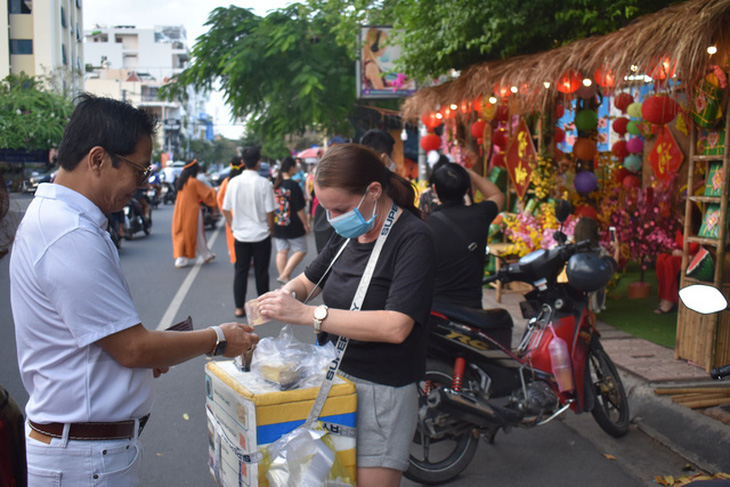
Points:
[(240, 313)]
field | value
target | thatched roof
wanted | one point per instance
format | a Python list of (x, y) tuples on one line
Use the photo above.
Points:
[(681, 32)]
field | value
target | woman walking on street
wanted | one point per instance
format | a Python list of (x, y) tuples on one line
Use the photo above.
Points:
[(384, 318), (291, 225), (188, 236), (236, 168)]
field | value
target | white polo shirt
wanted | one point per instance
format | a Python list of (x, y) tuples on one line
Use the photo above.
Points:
[(250, 197), (67, 291)]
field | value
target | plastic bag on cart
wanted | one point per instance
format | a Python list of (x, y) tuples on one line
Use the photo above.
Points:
[(305, 457), (284, 363)]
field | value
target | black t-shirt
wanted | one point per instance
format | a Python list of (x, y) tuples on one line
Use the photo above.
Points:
[(402, 281), (289, 200), (459, 271)]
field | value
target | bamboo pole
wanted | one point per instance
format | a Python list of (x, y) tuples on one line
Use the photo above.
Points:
[(682, 390)]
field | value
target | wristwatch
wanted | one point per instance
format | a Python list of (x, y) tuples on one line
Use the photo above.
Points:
[(320, 313), (220, 342)]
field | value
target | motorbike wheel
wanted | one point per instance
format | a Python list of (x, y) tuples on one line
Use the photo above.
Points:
[(611, 405), (147, 224), (437, 459)]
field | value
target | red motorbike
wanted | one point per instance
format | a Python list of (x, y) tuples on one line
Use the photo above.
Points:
[(476, 384)]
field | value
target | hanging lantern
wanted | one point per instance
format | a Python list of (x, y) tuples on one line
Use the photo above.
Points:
[(622, 101), (430, 120), (559, 111), (476, 105), (659, 109), (633, 163), (634, 110), (619, 125), (633, 128), (620, 173), (489, 111), (664, 69), (586, 211), (569, 82), (502, 91), (604, 77), (635, 145), (586, 120), (499, 138), (465, 107), (447, 112), (477, 129), (584, 149), (430, 142), (619, 150), (502, 112), (559, 135), (498, 159), (631, 182), (585, 182)]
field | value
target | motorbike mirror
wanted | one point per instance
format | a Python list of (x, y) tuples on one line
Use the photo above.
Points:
[(703, 299), (562, 210)]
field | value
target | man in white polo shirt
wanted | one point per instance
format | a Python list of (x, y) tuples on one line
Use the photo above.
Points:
[(84, 356), (249, 210)]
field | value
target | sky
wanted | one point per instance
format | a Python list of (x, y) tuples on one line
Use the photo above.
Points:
[(190, 13)]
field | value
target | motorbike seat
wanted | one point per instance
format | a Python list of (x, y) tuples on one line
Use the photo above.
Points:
[(484, 319)]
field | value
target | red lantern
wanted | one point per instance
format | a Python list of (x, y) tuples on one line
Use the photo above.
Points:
[(502, 113), (465, 107), (620, 150), (559, 135), (498, 159), (631, 181), (430, 120), (499, 138), (622, 101), (620, 173), (659, 109), (569, 82), (477, 104), (430, 142), (619, 125), (477, 129), (502, 91), (584, 149), (604, 77), (559, 111), (586, 211), (663, 69), (447, 112)]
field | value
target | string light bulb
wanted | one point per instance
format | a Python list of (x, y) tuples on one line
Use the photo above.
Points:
[(493, 100), (513, 89), (546, 84), (712, 50), (403, 135), (634, 68), (453, 106), (587, 82)]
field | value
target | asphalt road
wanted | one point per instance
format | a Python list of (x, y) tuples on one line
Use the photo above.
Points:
[(572, 452)]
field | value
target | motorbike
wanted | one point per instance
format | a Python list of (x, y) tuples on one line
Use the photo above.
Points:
[(154, 190), (476, 384), (211, 216), (169, 193), (134, 219)]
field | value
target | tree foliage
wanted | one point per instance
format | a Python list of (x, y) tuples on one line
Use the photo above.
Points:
[(277, 72), (211, 152), (30, 116), (439, 35)]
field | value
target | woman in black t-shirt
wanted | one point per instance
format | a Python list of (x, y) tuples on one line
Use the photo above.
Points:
[(387, 348), (291, 224)]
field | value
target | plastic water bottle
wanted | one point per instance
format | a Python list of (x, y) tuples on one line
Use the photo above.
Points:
[(560, 363)]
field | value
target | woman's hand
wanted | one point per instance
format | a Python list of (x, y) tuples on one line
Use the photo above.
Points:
[(280, 305)]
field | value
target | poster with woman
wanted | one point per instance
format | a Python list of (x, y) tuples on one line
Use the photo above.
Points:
[(377, 76)]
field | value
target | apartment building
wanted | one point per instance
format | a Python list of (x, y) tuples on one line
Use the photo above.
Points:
[(43, 38)]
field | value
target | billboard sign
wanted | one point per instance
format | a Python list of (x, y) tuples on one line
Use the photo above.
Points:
[(377, 76)]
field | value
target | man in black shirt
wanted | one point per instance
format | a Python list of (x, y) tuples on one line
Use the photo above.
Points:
[(460, 234)]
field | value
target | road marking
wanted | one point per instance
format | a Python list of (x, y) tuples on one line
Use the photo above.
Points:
[(177, 301)]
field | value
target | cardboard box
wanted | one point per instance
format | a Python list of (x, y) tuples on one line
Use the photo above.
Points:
[(250, 421)]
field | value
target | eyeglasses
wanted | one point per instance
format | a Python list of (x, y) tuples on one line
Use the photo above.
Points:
[(144, 172)]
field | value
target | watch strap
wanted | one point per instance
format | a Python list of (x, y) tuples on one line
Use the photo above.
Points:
[(219, 337)]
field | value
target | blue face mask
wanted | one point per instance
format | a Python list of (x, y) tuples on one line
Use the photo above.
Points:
[(352, 224)]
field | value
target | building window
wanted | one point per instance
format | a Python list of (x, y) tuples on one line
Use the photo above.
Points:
[(64, 24), (21, 46), (64, 58), (78, 3), (19, 6)]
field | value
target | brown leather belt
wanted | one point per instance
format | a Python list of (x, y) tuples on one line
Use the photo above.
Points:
[(91, 431)]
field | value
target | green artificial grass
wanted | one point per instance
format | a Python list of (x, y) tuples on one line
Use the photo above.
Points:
[(636, 316)]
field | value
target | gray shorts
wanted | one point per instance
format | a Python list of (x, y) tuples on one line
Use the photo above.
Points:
[(386, 422), (298, 244)]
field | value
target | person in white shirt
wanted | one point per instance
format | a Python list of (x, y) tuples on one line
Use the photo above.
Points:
[(249, 210), (84, 356)]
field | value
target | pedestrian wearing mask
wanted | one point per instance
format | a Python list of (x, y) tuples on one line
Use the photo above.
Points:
[(84, 356), (372, 209)]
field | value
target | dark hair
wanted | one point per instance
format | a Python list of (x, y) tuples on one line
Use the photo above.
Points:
[(251, 156), (451, 182), (378, 140), (352, 167), (114, 125), (586, 229), (186, 173), (238, 169), (443, 160), (286, 164)]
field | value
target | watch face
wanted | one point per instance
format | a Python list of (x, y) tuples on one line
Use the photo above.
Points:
[(320, 313), (220, 349)]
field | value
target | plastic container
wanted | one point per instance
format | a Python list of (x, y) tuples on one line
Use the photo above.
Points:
[(560, 363)]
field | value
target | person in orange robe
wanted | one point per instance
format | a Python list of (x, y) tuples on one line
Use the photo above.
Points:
[(188, 236), (236, 169)]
